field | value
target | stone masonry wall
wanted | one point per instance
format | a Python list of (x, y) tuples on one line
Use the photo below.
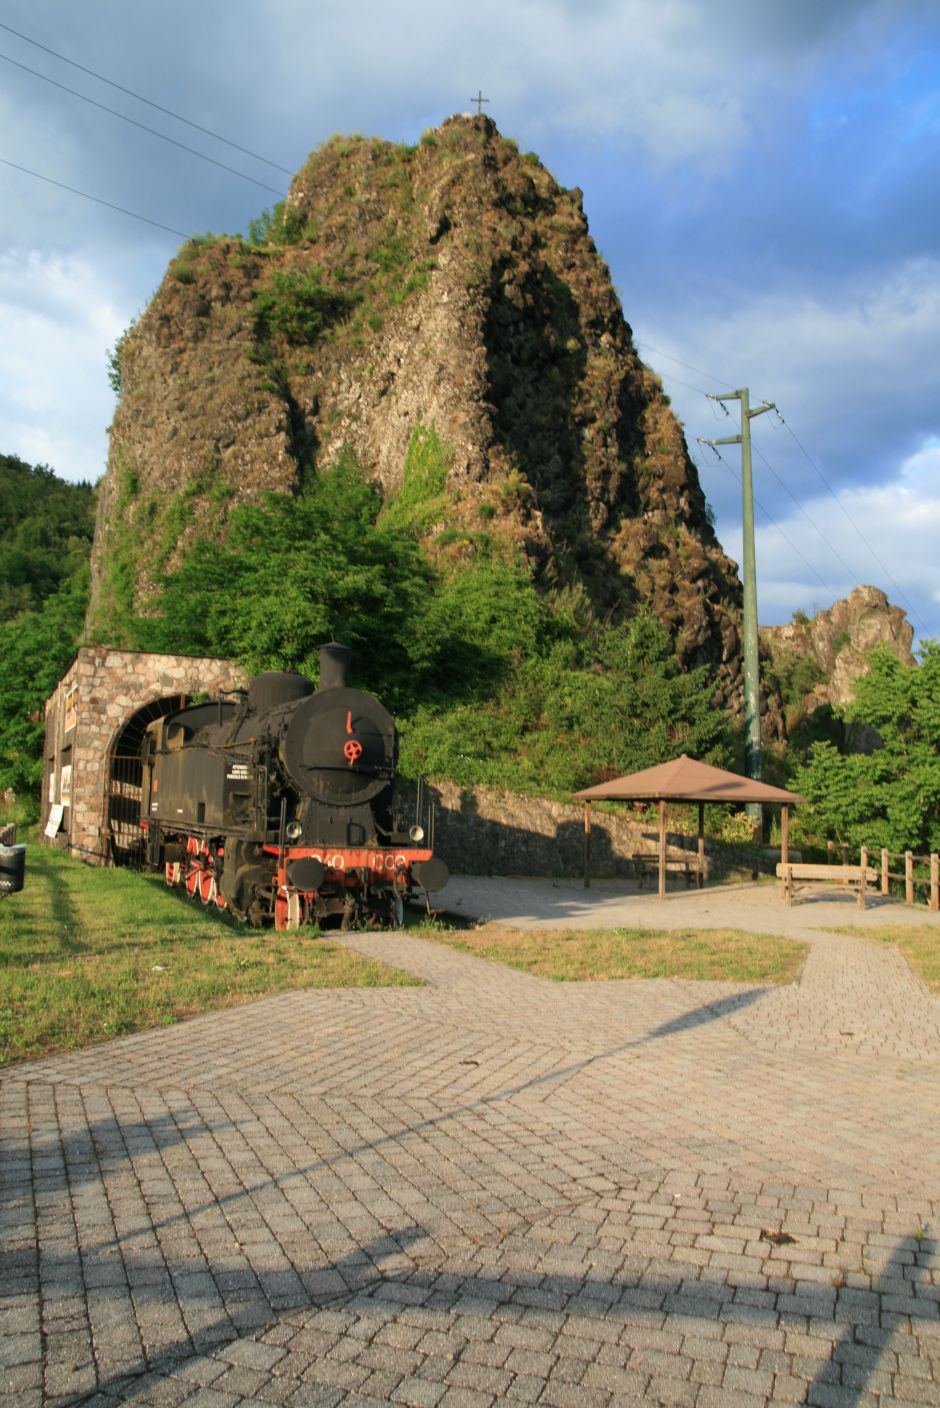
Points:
[(485, 831)]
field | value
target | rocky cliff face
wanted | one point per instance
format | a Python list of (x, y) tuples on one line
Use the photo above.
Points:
[(823, 657), (451, 285)]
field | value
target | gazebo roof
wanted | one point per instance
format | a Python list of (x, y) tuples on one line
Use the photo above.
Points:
[(685, 780)]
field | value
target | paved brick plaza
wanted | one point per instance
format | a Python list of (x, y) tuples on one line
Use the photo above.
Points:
[(491, 1187)]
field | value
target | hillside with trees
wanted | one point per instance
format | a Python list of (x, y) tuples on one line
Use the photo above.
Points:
[(46, 530)]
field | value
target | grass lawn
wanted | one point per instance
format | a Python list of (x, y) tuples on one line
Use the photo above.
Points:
[(86, 954), (920, 944), (568, 955)]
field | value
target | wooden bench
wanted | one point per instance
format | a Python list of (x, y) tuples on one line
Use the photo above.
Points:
[(858, 877), (649, 865)]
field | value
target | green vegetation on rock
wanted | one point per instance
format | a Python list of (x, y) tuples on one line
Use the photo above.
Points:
[(491, 679)]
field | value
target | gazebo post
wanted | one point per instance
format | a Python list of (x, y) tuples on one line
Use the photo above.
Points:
[(701, 844), (784, 834), (587, 845), (662, 848)]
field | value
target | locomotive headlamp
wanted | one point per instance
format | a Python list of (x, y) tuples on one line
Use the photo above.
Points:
[(416, 833), (293, 830)]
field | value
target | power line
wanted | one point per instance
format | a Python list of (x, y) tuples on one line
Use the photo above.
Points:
[(708, 375), (141, 125), (902, 595), (790, 494), (774, 524), (688, 366), (97, 199), (851, 520), (141, 99)]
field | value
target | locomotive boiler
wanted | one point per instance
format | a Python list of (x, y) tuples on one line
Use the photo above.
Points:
[(277, 804)]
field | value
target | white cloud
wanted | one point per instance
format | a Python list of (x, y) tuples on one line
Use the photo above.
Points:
[(849, 370), (886, 537), (57, 321)]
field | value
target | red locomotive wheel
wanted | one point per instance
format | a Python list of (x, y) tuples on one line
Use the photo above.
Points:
[(173, 871), (193, 869)]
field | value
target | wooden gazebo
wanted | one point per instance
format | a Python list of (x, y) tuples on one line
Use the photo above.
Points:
[(684, 780)]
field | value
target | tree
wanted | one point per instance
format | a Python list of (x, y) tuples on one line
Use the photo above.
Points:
[(291, 574), (891, 797), (35, 650), (569, 711)]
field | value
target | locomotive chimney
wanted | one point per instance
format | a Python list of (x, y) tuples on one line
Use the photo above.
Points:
[(334, 666)]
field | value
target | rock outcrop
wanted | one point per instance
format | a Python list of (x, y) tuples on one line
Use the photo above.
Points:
[(453, 284), (818, 660)]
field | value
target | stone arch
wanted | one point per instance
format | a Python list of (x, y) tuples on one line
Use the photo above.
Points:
[(97, 715), (125, 837)]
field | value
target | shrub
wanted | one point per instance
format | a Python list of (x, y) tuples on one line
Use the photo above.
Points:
[(422, 498), (299, 305)]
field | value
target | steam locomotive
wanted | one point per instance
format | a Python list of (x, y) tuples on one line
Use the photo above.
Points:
[(276, 804)]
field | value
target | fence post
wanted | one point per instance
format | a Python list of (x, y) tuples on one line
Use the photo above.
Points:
[(934, 881), (587, 845), (863, 857), (909, 877), (885, 880)]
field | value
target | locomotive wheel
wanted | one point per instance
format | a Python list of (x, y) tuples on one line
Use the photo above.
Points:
[(193, 868), (173, 871), (208, 889)]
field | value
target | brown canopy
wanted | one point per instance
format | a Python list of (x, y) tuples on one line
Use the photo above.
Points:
[(684, 780)]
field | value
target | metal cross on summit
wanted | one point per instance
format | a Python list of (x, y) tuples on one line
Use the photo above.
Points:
[(479, 100)]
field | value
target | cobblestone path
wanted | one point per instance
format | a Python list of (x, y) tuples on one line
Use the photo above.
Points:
[(491, 1187)]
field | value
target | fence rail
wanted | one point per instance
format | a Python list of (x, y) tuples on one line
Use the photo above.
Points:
[(918, 873)]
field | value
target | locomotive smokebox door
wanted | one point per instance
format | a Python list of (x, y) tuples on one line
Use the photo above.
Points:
[(341, 746)]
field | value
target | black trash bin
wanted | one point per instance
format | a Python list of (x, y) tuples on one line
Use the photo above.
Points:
[(12, 869)]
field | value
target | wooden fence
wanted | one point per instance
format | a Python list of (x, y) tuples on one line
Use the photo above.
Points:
[(918, 873)]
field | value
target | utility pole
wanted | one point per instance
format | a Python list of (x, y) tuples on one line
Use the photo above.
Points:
[(752, 743)]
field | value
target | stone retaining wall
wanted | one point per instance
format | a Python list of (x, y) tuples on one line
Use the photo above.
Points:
[(486, 831)]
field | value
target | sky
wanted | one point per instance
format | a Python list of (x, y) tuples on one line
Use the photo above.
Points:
[(761, 176)]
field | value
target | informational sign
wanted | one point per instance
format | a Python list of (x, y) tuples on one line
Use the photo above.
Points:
[(71, 708), (65, 785), (52, 787), (55, 820)]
